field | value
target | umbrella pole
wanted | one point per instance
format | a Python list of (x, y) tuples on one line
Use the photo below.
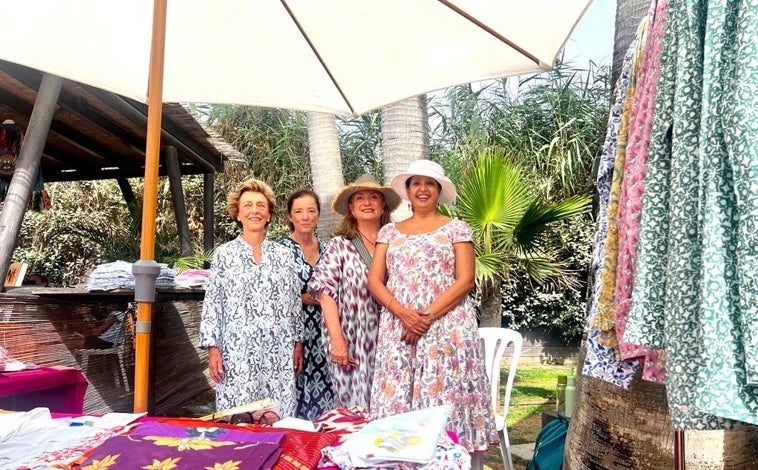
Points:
[(150, 200), (679, 456)]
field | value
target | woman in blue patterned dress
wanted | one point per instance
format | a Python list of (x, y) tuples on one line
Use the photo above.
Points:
[(314, 384), (251, 322), (351, 316)]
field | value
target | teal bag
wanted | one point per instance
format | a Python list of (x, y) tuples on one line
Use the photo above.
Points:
[(549, 446)]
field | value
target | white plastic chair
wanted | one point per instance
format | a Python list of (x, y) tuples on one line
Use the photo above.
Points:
[(123, 340), (496, 342)]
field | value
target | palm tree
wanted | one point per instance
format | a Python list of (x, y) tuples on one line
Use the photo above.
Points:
[(405, 138), (326, 167), (509, 220)]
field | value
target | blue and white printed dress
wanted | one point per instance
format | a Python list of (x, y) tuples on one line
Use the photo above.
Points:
[(252, 313)]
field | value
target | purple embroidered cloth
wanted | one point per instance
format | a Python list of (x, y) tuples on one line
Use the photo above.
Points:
[(180, 447), (152, 428)]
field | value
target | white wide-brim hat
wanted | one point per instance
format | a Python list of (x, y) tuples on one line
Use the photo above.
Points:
[(430, 169), (364, 182)]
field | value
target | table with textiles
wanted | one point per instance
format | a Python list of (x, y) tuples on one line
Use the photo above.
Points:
[(156, 442), (61, 389)]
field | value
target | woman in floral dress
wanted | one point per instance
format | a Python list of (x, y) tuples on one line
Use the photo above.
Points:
[(251, 313), (314, 384), (351, 316), (428, 350)]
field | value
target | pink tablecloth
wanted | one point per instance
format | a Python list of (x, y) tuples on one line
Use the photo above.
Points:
[(61, 389)]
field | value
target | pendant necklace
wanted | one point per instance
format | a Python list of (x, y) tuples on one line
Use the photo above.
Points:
[(365, 238)]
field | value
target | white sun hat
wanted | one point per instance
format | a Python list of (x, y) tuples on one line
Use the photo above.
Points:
[(430, 169)]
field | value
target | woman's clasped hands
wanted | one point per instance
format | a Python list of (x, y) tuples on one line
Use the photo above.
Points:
[(415, 324)]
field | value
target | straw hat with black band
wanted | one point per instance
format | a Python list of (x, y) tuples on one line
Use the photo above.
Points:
[(364, 183), (430, 169)]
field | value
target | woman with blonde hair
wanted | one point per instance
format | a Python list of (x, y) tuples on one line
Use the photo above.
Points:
[(251, 324), (351, 316)]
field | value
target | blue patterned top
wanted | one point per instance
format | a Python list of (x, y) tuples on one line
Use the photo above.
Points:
[(252, 313)]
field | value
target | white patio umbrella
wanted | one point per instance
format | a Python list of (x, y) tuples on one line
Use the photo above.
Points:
[(335, 56)]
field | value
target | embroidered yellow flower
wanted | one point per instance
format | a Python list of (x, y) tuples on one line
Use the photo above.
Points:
[(167, 464), (228, 465), (105, 462), (191, 443)]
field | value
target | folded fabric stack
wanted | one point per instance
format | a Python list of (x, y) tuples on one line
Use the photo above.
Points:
[(193, 278), (415, 440), (118, 275)]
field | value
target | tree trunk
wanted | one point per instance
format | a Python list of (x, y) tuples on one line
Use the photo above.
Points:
[(614, 428), (629, 13), (326, 168), (491, 304), (405, 138)]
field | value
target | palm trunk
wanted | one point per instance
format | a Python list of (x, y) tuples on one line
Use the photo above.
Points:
[(326, 167), (491, 306), (405, 138)]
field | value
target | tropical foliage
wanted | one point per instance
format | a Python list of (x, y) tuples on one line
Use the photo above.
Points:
[(509, 221)]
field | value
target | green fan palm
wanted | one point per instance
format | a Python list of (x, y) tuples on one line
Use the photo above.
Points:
[(508, 221)]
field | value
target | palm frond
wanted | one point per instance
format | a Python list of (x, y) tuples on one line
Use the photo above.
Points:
[(537, 217)]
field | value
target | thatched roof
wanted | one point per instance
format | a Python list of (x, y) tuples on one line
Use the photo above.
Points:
[(99, 135)]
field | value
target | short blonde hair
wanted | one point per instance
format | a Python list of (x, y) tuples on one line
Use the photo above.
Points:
[(253, 185)]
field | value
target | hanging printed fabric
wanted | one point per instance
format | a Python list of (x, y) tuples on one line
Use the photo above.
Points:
[(11, 138)]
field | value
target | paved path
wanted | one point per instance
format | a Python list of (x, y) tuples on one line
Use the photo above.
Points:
[(524, 451)]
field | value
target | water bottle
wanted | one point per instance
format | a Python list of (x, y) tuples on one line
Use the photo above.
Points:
[(570, 395), (560, 393)]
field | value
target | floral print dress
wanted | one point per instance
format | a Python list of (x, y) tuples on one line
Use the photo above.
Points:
[(342, 274), (447, 366), (314, 384), (251, 312)]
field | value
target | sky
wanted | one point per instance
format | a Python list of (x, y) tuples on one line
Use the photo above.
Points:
[(593, 36)]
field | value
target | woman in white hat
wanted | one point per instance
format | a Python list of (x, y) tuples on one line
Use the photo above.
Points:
[(428, 349), (351, 315)]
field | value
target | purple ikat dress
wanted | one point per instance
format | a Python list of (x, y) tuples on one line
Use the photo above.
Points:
[(342, 274)]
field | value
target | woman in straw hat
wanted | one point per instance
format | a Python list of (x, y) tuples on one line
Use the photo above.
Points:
[(428, 349), (351, 316), (251, 321)]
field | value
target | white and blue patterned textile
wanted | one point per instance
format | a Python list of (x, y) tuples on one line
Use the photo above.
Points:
[(252, 313)]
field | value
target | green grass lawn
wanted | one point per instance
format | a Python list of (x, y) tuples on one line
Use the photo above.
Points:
[(533, 392)]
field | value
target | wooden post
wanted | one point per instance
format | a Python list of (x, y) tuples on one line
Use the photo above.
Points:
[(129, 197), (207, 214), (177, 198), (27, 166)]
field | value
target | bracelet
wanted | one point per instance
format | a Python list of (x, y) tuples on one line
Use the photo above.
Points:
[(387, 307)]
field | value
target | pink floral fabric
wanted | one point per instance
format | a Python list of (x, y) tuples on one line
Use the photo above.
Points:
[(447, 365), (632, 187)]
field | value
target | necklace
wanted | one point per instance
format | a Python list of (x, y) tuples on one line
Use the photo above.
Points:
[(310, 253), (363, 235)]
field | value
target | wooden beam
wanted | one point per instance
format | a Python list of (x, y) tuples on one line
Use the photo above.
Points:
[(208, 196), (177, 198), (27, 166), (137, 112)]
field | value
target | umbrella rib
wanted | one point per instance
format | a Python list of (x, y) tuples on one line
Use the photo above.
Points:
[(494, 33), (318, 56)]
